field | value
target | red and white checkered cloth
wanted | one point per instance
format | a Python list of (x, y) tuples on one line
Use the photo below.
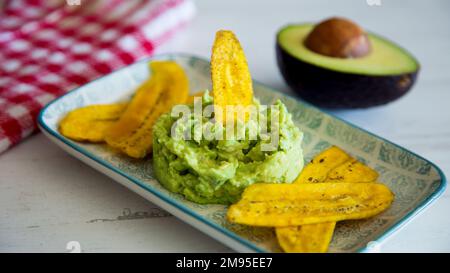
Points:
[(48, 47)]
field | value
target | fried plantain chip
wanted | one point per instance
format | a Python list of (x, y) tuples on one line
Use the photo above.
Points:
[(132, 133), (316, 238), (312, 238), (317, 170), (352, 171), (283, 205), (231, 80), (91, 122)]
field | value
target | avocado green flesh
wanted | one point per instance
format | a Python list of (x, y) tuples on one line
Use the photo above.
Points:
[(217, 171), (385, 58)]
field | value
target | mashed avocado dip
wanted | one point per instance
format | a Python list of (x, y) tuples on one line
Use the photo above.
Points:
[(217, 171)]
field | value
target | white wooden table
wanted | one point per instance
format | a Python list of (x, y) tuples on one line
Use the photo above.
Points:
[(49, 198)]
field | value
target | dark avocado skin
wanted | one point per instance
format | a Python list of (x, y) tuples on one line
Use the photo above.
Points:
[(332, 89)]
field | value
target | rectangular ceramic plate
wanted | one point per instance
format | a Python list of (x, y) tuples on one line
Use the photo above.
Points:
[(415, 181)]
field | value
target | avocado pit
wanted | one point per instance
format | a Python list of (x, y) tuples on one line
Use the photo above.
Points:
[(338, 38)]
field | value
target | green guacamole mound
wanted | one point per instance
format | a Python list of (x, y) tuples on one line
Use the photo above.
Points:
[(217, 171)]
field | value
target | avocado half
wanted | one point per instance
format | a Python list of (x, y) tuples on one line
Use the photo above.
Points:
[(385, 74)]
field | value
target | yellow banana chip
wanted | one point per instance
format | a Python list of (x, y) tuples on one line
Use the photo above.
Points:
[(312, 238), (91, 122), (283, 205), (317, 170), (316, 238), (132, 133), (231, 80), (352, 171)]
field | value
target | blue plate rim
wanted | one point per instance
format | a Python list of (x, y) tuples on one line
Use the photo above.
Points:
[(407, 217)]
